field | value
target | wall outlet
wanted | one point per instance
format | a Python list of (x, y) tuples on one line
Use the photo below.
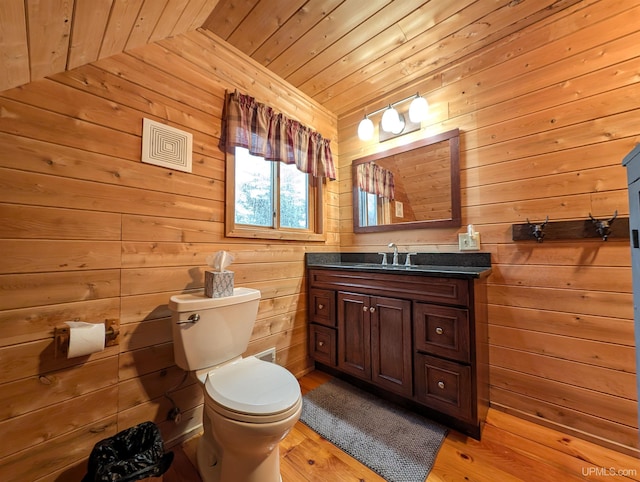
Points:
[(469, 243)]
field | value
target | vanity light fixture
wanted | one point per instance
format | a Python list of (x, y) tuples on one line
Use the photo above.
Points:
[(392, 121)]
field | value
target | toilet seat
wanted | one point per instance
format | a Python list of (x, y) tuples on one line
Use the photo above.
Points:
[(253, 390)]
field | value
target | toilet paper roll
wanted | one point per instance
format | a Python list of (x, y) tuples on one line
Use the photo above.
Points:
[(85, 338)]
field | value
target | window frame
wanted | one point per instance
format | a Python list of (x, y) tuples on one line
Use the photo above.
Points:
[(314, 232)]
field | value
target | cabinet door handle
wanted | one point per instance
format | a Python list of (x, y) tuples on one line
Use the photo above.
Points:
[(441, 385), (364, 308), (321, 343), (372, 309), (320, 306), (439, 331)]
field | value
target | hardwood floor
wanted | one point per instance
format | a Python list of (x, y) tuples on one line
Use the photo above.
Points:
[(511, 450)]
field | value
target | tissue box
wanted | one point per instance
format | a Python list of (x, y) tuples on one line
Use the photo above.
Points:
[(218, 283)]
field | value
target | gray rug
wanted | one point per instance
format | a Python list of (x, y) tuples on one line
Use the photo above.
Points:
[(398, 444)]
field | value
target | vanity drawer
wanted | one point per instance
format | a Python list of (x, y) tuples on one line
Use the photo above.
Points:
[(322, 344), (444, 386), (448, 291), (442, 331), (322, 306)]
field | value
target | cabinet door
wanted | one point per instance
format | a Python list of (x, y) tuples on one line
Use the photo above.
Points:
[(634, 226), (354, 334), (391, 345)]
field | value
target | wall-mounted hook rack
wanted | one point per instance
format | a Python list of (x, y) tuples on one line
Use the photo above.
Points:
[(573, 229)]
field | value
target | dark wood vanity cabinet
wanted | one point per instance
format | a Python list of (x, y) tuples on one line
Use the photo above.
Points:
[(422, 338)]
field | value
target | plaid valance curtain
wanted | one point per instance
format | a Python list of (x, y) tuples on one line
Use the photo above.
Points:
[(269, 134), (375, 180)]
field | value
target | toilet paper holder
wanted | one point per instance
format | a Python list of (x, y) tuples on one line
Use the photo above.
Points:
[(61, 337)]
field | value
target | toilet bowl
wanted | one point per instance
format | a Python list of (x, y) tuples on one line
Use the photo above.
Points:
[(250, 404), (250, 407)]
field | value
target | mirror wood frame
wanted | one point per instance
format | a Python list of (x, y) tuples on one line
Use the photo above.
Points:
[(453, 138)]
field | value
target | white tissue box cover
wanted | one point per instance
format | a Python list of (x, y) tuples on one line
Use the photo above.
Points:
[(218, 283)]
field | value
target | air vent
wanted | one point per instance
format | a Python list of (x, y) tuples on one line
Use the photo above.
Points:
[(267, 355), (166, 146)]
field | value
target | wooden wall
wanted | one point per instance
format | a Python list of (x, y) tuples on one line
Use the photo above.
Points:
[(546, 118), (89, 232)]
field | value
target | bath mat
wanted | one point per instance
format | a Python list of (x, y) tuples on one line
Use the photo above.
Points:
[(398, 444)]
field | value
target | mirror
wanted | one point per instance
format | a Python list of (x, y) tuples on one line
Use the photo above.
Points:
[(409, 187)]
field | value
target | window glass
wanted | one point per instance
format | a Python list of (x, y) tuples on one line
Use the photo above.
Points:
[(368, 209), (294, 197), (271, 200), (254, 189)]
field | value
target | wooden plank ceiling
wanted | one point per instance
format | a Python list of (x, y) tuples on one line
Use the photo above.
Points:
[(346, 54), (44, 37)]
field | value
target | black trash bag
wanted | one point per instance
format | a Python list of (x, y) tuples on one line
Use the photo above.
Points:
[(133, 454)]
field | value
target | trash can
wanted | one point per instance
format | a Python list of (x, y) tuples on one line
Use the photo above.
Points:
[(133, 454)]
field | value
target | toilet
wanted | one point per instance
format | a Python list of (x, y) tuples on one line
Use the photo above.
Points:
[(250, 404)]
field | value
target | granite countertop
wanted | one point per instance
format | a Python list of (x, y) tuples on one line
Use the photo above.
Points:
[(449, 265)]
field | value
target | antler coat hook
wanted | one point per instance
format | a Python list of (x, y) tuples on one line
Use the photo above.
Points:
[(537, 230), (604, 227)]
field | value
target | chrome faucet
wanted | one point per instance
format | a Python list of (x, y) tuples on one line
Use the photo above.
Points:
[(395, 253)]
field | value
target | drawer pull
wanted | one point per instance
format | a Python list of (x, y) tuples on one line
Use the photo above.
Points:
[(441, 385), (321, 343), (439, 331), (320, 306)]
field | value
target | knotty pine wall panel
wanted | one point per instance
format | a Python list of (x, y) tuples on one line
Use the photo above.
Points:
[(37, 322), (545, 118), (91, 233), (29, 430)]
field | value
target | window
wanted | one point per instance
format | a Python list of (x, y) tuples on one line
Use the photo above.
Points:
[(280, 198), (368, 209), (271, 199), (374, 210)]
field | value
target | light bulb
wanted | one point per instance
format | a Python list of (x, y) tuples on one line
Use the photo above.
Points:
[(390, 120), (399, 127), (365, 129), (419, 109)]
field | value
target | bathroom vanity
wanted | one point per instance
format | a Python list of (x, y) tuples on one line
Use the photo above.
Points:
[(415, 334)]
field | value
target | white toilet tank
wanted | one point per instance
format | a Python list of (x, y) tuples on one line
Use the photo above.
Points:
[(210, 331)]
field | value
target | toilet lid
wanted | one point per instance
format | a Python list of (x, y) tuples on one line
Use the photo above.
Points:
[(253, 386)]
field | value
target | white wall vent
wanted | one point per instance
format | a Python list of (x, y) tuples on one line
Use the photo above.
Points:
[(166, 146)]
